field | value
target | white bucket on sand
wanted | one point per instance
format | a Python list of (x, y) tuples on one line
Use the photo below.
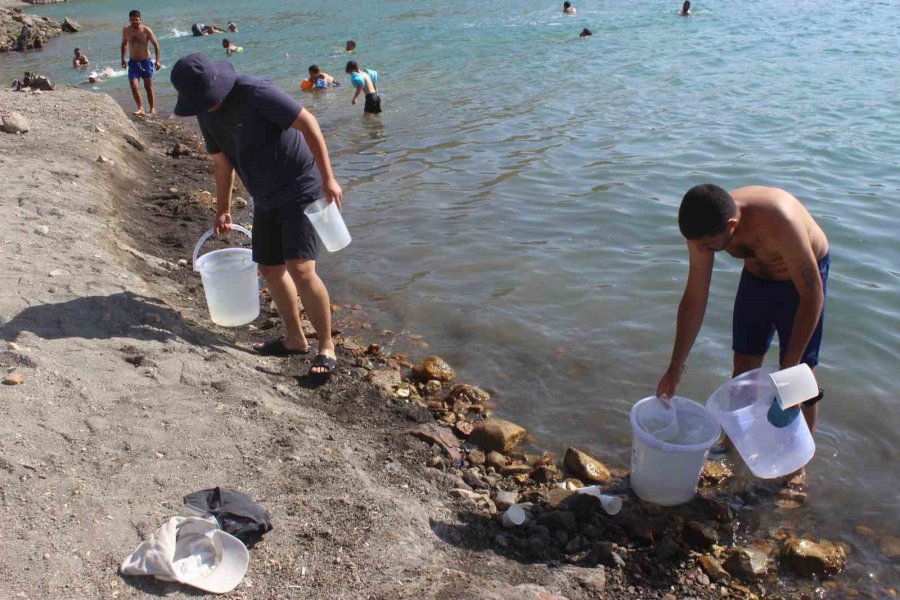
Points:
[(742, 406), (666, 471), (229, 282), (329, 224)]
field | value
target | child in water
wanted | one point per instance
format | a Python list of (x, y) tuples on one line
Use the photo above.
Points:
[(364, 80), (318, 80), (229, 47)]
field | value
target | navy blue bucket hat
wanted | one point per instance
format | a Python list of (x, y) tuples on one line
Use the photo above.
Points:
[(201, 83)]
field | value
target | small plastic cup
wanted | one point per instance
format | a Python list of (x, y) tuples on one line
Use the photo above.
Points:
[(514, 516), (611, 504), (659, 420), (329, 224), (794, 385)]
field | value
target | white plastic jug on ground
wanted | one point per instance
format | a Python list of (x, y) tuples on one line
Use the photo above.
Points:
[(742, 406), (667, 471), (229, 282), (329, 224)]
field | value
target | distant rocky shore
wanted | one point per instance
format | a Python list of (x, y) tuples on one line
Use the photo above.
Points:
[(22, 31)]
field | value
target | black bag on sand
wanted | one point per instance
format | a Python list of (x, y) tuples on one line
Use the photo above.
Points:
[(236, 513)]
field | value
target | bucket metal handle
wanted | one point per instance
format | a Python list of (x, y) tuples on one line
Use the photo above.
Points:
[(208, 235)]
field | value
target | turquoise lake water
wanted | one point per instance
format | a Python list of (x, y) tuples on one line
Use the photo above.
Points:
[(516, 202)]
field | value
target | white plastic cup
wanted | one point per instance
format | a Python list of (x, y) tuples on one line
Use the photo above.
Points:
[(742, 405), (230, 282), (611, 504), (794, 385), (514, 516), (667, 472), (659, 419), (329, 224)]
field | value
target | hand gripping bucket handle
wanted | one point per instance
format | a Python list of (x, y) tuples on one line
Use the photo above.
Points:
[(208, 235)]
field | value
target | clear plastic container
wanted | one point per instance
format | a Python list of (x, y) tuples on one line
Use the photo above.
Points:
[(742, 406), (329, 224), (667, 472), (229, 282)]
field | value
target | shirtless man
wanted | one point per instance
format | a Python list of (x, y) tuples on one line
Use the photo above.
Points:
[(137, 37), (782, 287), (568, 9), (80, 60)]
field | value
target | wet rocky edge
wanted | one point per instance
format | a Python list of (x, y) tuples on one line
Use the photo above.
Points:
[(22, 31), (710, 547)]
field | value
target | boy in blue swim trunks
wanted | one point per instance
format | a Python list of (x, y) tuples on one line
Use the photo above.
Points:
[(782, 287), (137, 37)]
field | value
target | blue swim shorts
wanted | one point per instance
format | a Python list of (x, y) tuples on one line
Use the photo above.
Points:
[(140, 69), (763, 306)]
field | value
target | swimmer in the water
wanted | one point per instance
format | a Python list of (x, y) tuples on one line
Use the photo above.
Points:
[(686, 8), (232, 27), (80, 59), (568, 9), (351, 46), (318, 80), (199, 29), (229, 47), (93, 77), (585, 33)]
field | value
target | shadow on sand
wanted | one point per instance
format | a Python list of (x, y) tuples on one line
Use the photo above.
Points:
[(122, 315)]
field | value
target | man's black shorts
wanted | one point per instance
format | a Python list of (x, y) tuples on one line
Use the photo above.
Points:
[(284, 233)]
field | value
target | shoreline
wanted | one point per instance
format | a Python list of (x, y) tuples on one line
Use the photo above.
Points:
[(137, 410)]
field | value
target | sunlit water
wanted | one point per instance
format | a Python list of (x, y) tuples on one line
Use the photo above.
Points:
[(516, 201)]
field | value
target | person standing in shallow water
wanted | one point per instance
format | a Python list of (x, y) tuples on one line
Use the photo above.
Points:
[(137, 37), (275, 145), (782, 286), (364, 80)]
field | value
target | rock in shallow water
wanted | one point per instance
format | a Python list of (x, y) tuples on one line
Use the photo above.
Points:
[(747, 564), (809, 558)]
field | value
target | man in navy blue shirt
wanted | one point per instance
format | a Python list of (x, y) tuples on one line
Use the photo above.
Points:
[(252, 127)]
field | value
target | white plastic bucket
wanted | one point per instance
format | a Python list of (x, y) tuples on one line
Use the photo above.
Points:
[(329, 224), (667, 472), (742, 406), (229, 282)]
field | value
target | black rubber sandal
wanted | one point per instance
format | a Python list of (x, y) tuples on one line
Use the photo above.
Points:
[(277, 348), (322, 361)]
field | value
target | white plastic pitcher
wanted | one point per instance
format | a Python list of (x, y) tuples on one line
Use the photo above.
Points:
[(667, 472), (229, 282), (329, 224), (742, 406)]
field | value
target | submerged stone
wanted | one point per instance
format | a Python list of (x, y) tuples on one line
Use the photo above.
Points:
[(809, 558)]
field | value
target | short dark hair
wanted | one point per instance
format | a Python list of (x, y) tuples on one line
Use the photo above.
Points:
[(225, 42), (313, 68), (134, 13), (567, 4), (77, 50), (705, 211), (351, 66)]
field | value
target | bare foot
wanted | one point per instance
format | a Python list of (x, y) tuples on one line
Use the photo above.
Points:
[(139, 113)]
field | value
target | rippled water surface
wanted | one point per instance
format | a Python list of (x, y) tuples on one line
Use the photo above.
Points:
[(516, 202)]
